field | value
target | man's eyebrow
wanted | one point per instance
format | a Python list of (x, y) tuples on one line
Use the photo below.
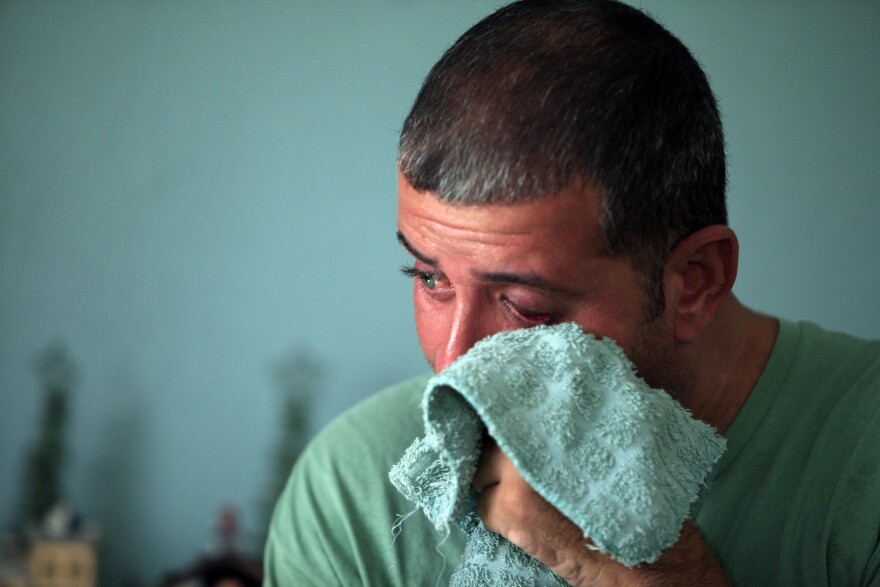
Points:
[(412, 251), (528, 279)]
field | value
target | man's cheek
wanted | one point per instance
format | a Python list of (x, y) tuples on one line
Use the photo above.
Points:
[(426, 332)]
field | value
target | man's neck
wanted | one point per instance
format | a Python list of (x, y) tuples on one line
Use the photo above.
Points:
[(729, 358)]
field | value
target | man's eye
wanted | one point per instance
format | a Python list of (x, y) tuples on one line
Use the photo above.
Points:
[(528, 316), (427, 279)]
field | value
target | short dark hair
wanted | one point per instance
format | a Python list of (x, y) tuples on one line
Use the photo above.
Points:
[(546, 95)]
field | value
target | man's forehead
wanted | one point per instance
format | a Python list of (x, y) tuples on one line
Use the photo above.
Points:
[(557, 232), (580, 206)]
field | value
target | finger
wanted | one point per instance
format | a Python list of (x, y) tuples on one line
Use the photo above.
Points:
[(510, 503), (485, 501), (490, 466)]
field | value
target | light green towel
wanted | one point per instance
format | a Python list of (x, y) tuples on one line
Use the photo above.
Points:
[(623, 461)]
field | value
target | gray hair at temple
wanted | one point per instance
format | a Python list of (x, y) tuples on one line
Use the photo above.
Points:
[(546, 95)]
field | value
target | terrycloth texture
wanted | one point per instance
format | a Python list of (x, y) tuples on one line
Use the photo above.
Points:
[(621, 460)]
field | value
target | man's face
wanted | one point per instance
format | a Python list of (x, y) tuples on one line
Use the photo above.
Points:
[(479, 270)]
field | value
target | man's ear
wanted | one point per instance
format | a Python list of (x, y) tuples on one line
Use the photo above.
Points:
[(699, 276)]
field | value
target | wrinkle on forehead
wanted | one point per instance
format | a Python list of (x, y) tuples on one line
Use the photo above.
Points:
[(567, 212), (551, 240)]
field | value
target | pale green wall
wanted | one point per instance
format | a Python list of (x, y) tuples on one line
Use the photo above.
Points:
[(190, 189)]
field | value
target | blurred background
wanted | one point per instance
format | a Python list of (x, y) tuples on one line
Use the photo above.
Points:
[(197, 198)]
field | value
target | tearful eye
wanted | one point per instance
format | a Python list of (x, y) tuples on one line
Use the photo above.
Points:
[(528, 316), (426, 279)]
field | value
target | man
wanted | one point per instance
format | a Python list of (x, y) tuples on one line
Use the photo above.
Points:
[(564, 162)]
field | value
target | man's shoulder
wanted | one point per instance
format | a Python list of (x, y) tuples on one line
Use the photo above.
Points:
[(403, 397), (828, 376), (382, 425), (332, 525), (815, 334), (828, 354)]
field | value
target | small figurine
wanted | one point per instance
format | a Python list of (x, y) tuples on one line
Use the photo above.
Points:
[(226, 539)]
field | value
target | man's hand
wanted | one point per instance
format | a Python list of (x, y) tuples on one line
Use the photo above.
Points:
[(511, 508)]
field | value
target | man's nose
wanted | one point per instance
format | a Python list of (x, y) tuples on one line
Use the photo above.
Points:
[(468, 327)]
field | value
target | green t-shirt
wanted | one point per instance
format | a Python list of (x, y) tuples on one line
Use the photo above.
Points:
[(796, 497), (332, 524), (795, 500)]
